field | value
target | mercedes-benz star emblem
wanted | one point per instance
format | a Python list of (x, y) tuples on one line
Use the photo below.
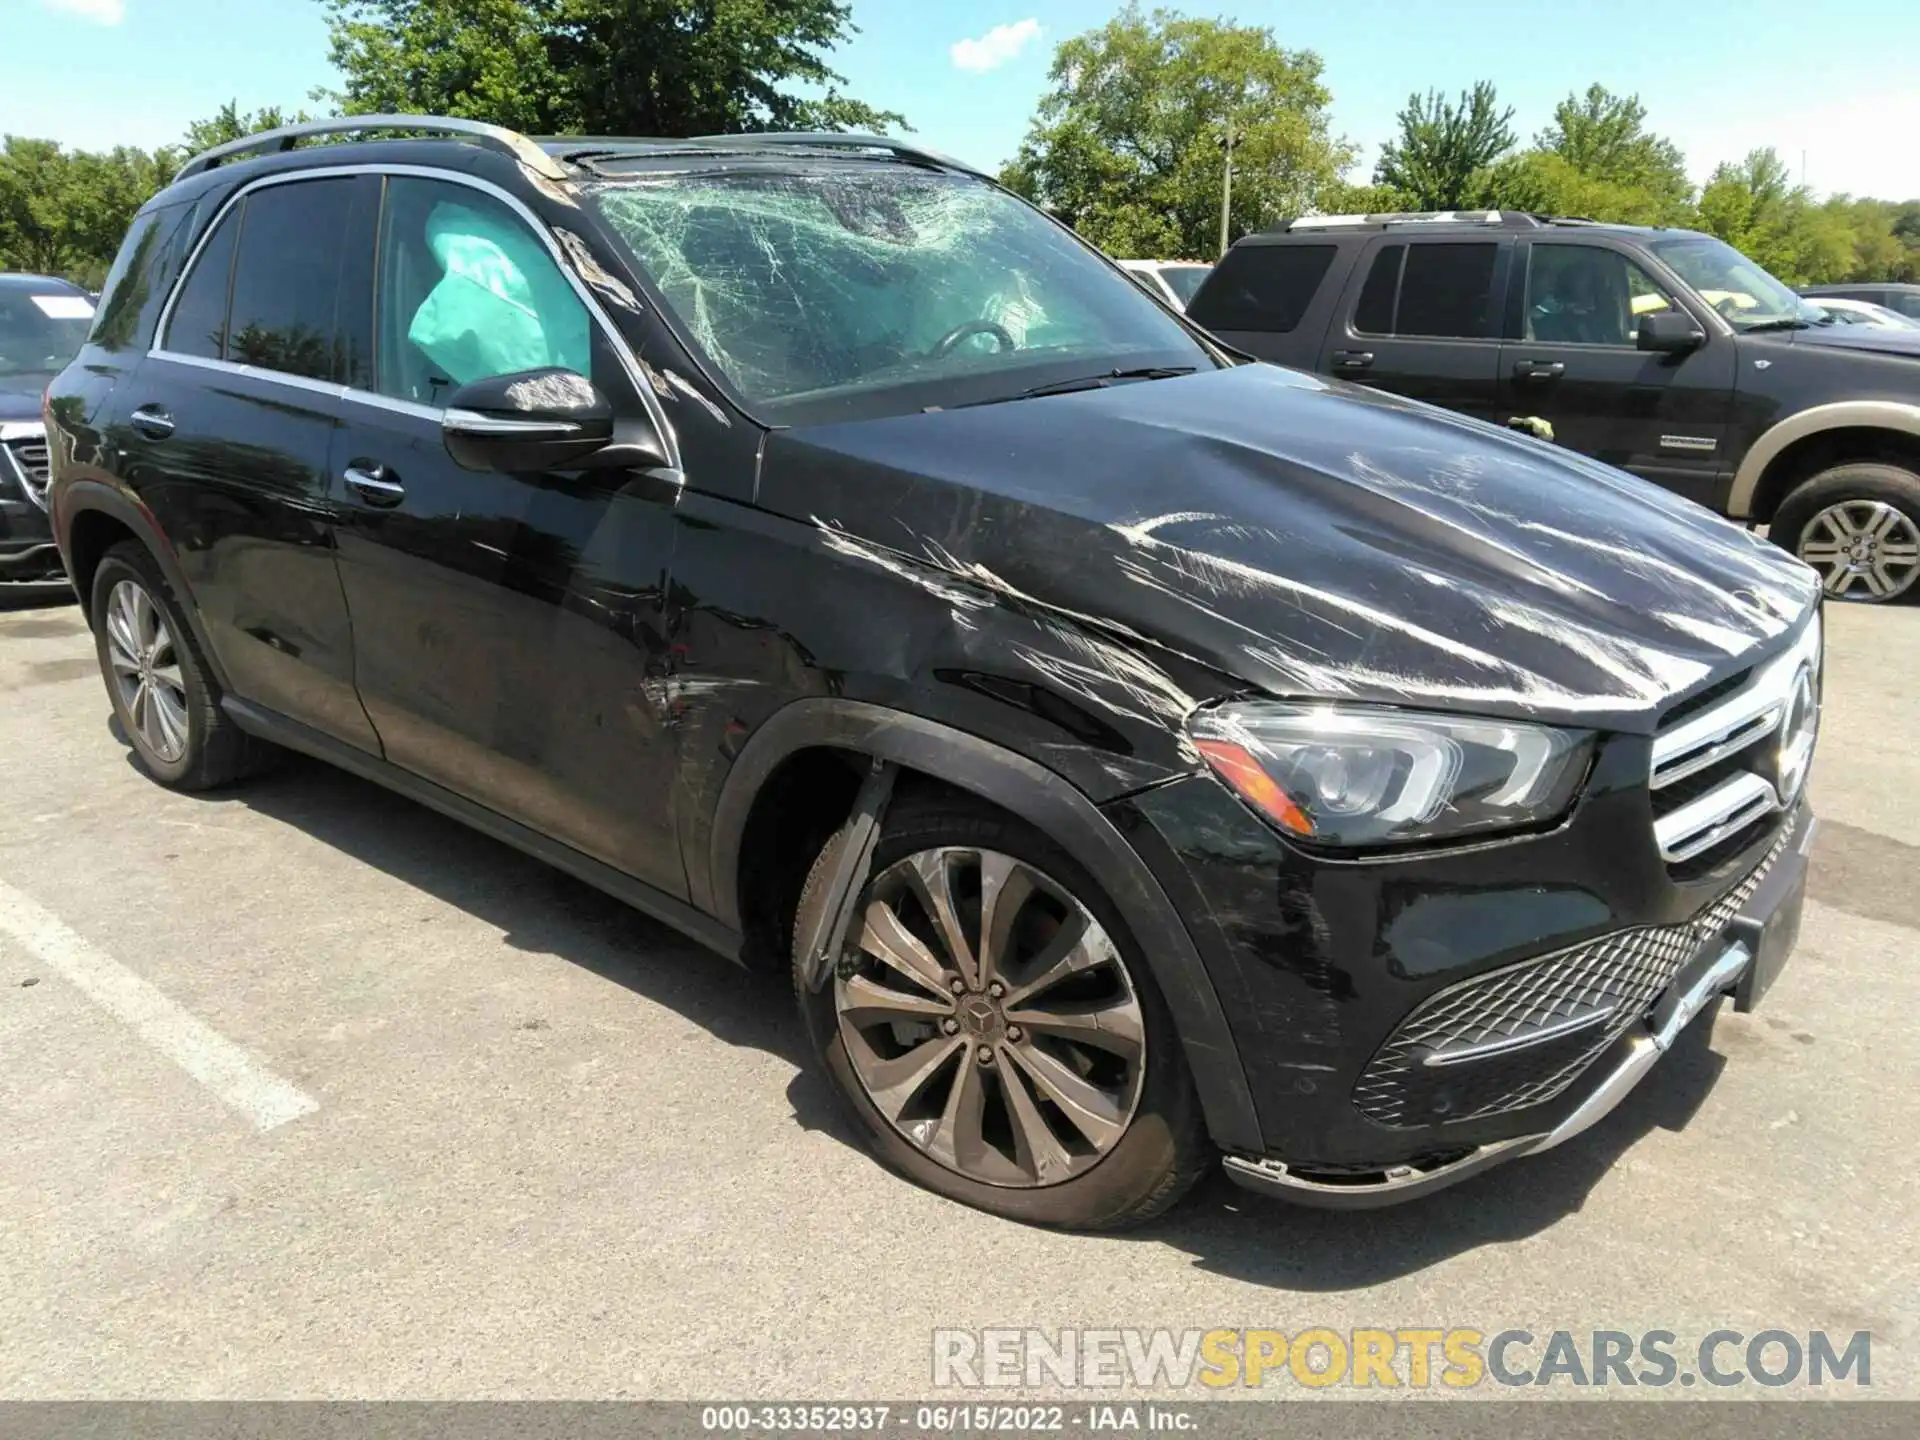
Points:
[(1797, 730)]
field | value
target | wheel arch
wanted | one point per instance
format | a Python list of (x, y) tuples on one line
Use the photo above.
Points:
[(1817, 439), (1042, 799), (93, 518)]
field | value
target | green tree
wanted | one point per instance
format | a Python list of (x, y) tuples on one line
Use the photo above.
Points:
[(1343, 197), (64, 212), (1547, 182), (1129, 143), (600, 67), (230, 123), (1603, 138), (1444, 148), (1755, 207)]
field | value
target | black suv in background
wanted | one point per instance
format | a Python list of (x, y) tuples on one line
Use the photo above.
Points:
[(1665, 352), (1130, 754), (43, 321)]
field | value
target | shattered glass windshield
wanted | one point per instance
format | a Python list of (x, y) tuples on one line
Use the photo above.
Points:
[(846, 292)]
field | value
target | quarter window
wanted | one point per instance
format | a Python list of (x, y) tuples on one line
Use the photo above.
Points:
[(466, 292), (199, 322), (1263, 288), (1584, 295)]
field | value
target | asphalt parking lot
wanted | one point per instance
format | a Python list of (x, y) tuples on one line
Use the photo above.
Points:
[(309, 1092)]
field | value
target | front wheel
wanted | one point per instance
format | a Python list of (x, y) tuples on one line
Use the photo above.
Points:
[(1858, 525), (993, 1030)]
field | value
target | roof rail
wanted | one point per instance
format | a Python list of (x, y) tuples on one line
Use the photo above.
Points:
[(838, 140), (493, 137), (1504, 219)]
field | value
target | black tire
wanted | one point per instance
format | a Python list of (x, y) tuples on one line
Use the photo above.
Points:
[(1164, 1149), (216, 750), (1858, 481)]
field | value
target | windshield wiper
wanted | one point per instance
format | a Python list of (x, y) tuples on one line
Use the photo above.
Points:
[(1091, 382), (1785, 322)]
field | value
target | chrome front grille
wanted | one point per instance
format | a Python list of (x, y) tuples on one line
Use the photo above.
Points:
[(1723, 769), (1520, 1035), (26, 447)]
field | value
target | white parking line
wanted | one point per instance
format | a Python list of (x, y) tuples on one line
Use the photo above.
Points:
[(212, 1059)]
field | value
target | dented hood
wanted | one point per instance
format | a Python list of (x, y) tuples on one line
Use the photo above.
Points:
[(1310, 538)]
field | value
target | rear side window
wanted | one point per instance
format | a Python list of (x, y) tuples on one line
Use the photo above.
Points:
[(1264, 288), (1447, 290), (1906, 302), (143, 272), (286, 282), (199, 322)]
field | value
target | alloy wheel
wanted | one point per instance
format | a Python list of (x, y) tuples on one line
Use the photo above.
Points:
[(990, 1018), (146, 670), (1867, 544)]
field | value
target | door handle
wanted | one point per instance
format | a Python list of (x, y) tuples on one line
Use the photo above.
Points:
[(375, 484), (152, 421), (1352, 359), (1539, 369)]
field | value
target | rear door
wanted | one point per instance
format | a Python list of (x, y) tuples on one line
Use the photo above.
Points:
[(225, 432), (1421, 318), (1575, 364)]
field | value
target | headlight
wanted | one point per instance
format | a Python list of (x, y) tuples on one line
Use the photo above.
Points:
[(1352, 776)]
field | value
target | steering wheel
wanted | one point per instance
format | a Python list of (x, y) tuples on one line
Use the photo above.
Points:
[(946, 344), (1728, 306)]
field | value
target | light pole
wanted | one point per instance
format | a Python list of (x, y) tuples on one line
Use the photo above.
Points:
[(1226, 186)]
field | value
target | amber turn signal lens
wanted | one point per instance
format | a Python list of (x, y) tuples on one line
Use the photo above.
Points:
[(1235, 765)]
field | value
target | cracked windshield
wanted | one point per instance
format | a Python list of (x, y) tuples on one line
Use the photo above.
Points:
[(863, 293)]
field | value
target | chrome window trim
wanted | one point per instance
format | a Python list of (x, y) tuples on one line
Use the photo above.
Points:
[(628, 362)]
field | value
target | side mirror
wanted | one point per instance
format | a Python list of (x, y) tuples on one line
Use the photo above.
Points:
[(536, 420), (1670, 332)]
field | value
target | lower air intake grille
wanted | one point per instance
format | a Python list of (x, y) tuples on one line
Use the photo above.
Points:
[(1520, 1035)]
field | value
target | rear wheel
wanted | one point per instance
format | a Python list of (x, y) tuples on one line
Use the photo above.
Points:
[(991, 1027), (162, 690), (1858, 525)]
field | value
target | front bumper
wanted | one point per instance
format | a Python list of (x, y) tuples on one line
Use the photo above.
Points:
[(1742, 961), (1322, 968)]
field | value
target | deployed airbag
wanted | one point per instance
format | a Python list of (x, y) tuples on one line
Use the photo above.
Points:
[(501, 305)]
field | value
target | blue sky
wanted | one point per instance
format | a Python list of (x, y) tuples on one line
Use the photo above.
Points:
[(1718, 76)]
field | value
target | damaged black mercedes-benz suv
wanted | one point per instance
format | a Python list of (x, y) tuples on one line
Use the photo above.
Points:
[(1135, 756)]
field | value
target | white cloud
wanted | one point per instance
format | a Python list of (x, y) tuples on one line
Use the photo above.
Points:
[(995, 48), (101, 12)]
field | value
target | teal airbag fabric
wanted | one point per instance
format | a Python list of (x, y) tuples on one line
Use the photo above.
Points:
[(501, 305)]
